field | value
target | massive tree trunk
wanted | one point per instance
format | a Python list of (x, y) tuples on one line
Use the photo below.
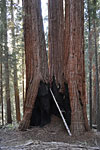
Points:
[(4, 19), (74, 64), (56, 31), (36, 57), (16, 90)]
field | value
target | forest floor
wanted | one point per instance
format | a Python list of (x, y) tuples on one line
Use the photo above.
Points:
[(51, 137)]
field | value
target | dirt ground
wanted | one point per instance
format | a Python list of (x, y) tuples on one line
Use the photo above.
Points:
[(51, 137)]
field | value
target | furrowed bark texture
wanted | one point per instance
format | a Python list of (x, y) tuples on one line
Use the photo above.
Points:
[(36, 57), (74, 64), (56, 31)]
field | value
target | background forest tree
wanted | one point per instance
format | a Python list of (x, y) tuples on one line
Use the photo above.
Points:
[(12, 55), (15, 54)]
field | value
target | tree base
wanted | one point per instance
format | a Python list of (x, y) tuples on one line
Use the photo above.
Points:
[(40, 111)]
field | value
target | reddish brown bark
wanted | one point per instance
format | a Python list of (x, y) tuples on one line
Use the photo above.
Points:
[(56, 31), (74, 64), (36, 57)]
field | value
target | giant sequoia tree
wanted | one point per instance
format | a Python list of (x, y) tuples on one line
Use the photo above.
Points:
[(36, 59), (35, 53), (74, 64)]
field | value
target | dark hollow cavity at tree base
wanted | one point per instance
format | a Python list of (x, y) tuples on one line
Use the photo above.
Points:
[(45, 106)]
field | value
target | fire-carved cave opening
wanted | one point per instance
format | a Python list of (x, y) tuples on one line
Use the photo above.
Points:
[(45, 106)]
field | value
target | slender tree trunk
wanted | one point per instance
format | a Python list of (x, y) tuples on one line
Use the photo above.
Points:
[(96, 64), (1, 62), (90, 75), (74, 64), (23, 70), (16, 90), (36, 57), (94, 97), (90, 63), (4, 18), (1, 90), (56, 36), (1, 80), (2, 97), (90, 89)]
